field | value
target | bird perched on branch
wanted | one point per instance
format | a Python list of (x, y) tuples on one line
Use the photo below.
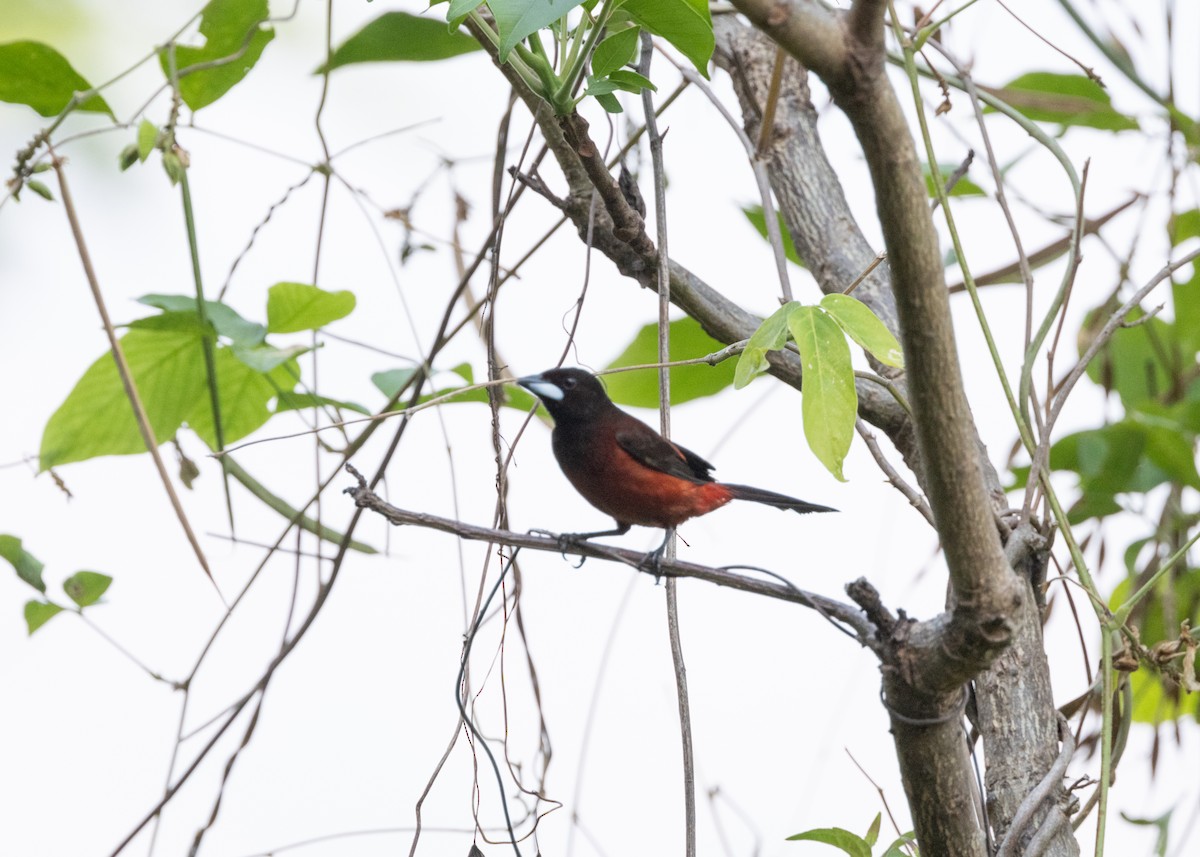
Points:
[(628, 470)]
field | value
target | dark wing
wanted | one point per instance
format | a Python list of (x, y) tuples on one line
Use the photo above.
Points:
[(648, 447)]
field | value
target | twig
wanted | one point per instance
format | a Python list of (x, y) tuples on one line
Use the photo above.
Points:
[(460, 693), (685, 717), (124, 651), (863, 630), (882, 796), (348, 834), (959, 173), (712, 359), (628, 226), (879, 257), (1001, 196), (664, 404), (1086, 69), (897, 481), (437, 770)]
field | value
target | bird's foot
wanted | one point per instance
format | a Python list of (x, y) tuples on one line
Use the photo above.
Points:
[(652, 562), (564, 542)]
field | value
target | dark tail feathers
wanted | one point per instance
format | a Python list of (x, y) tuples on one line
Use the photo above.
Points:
[(770, 498)]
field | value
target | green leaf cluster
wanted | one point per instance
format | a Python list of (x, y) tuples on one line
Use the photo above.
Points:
[(84, 588), (829, 400), (1128, 457), (594, 49), (165, 357)]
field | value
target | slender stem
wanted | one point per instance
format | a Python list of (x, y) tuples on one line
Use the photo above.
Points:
[(685, 716), (1073, 259), (210, 358), (664, 404), (847, 618), (189, 219), (124, 651), (1032, 128), (539, 49), (1085, 577), (541, 67)]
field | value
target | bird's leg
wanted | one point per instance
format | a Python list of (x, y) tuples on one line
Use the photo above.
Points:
[(653, 560), (619, 530), (569, 540)]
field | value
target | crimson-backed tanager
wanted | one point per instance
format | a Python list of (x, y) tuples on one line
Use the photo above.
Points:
[(628, 470)]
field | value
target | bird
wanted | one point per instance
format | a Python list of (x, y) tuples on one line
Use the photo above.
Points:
[(628, 470)]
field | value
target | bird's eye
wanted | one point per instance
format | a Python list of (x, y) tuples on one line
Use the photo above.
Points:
[(568, 383)]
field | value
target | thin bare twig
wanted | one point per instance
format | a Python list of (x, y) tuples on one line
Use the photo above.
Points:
[(882, 796), (879, 257), (898, 482), (1086, 69), (664, 404), (1011, 273), (862, 630)]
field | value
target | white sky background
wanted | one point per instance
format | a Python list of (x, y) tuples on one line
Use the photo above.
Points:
[(357, 718)]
